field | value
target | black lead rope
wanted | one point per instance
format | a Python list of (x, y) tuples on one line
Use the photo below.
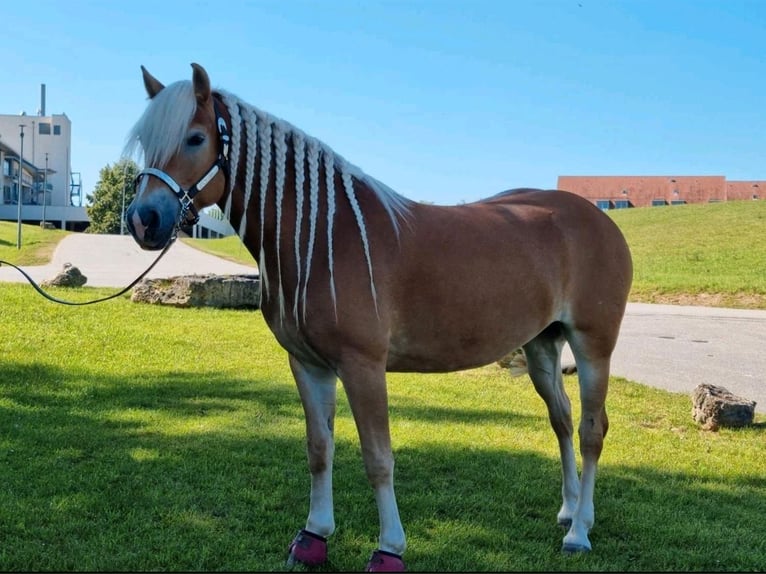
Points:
[(102, 299)]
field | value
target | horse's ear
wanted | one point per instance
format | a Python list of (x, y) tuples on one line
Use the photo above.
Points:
[(201, 84), (153, 85)]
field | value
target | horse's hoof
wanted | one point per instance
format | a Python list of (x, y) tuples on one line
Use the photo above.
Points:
[(570, 548), (382, 561), (307, 548)]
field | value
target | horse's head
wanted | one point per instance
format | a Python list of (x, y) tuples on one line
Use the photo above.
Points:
[(185, 143)]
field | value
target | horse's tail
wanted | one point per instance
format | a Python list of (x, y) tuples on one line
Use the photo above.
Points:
[(516, 363)]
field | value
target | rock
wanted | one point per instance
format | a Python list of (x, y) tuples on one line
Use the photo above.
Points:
[(69, 276), (714, 407), (221, 291)]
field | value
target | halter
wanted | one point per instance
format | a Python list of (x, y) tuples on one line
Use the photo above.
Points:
[(186, 196)]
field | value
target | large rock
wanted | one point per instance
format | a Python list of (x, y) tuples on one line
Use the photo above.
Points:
[(69, 276), (714, 407), (222, 291)]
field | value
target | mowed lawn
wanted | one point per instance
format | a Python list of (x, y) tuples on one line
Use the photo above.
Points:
[(137, 437)]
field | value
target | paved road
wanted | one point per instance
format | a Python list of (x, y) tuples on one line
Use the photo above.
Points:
[(678, 347), (115, 261), (665, 346)]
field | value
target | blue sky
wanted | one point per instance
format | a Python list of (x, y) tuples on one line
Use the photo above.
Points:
[(444, 101)]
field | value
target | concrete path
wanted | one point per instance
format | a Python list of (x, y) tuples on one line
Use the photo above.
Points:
[(115, 261), (665, 346)]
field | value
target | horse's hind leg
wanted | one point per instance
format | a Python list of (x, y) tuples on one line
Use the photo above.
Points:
[(317, 389), (543, 355)]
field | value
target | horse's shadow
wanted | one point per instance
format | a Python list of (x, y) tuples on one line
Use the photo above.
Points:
[(125, 476)]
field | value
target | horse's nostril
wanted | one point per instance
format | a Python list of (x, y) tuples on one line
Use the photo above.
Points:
[(151, 220)]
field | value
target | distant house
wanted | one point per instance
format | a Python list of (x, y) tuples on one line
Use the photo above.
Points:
[(43, 176), (617, 192)]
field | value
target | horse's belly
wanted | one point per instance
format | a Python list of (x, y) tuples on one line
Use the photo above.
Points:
[(446, 351)]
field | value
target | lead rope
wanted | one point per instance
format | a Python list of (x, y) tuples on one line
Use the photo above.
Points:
[(50, 297)]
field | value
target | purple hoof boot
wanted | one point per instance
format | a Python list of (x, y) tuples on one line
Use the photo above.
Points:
[(383, 561), (307, 548)]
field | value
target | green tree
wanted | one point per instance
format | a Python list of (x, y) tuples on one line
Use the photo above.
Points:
[(106, 203)]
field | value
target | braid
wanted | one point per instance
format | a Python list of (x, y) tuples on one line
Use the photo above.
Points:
[(348, 185), (313, 161), (299, 148), (280, 158), (252, 149), (329, 171)]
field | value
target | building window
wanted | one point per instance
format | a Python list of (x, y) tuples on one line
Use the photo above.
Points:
[(622, 204), (678, 202), (658, 202), (44, 129), (604, 204), (56, 130)]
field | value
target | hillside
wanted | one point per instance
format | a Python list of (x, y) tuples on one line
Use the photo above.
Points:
[(710, 254)]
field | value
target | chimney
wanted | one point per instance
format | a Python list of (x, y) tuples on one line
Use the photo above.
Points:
[(42, 99)]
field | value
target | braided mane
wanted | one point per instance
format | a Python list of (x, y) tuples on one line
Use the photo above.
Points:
[(159, 135)]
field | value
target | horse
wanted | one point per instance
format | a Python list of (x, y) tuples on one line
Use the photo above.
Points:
[(358, 280)]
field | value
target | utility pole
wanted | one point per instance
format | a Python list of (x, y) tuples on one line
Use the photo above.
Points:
[(124, 185), (21, 174), (45, 188)]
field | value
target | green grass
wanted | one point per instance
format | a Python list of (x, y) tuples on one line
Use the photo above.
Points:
[(37, 244), (138, 437), (710, 252), (230, 248)]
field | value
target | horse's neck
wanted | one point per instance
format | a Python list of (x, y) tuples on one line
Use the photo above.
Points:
[(288, 192), (283, 201)]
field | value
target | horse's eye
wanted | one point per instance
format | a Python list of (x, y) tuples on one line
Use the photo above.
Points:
[(195, 140)]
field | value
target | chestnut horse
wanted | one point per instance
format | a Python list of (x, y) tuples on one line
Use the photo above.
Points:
[(358, 280)]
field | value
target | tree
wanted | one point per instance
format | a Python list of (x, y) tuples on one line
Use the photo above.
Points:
[(106, 203)]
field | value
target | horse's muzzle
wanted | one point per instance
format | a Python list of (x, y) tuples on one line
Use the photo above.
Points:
[(152, 226)]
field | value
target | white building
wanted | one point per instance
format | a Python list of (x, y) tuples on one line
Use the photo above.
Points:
[(50, 190)]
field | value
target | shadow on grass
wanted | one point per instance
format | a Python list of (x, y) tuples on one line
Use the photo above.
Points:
[(103, 474)]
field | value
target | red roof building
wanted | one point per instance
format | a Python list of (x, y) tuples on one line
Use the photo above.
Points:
[(615, 192)]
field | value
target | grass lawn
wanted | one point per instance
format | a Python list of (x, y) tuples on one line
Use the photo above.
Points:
[(230, 248), (37, 244), (709, 254), (138, 437)]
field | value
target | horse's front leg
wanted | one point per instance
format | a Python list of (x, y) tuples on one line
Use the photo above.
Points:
[(316, 387), (365, 385)]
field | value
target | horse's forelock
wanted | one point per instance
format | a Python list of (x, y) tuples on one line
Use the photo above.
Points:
[(160, 131)]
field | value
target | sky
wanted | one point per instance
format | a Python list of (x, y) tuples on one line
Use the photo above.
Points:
[(445, 101)]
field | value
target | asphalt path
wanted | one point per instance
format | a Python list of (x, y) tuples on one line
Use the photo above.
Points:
[(665, 346)]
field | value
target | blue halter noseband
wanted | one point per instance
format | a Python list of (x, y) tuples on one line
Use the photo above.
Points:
[(186, 196)]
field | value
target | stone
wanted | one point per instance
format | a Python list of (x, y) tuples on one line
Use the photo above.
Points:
[(714, 407), (69, 276), (220, 291)]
